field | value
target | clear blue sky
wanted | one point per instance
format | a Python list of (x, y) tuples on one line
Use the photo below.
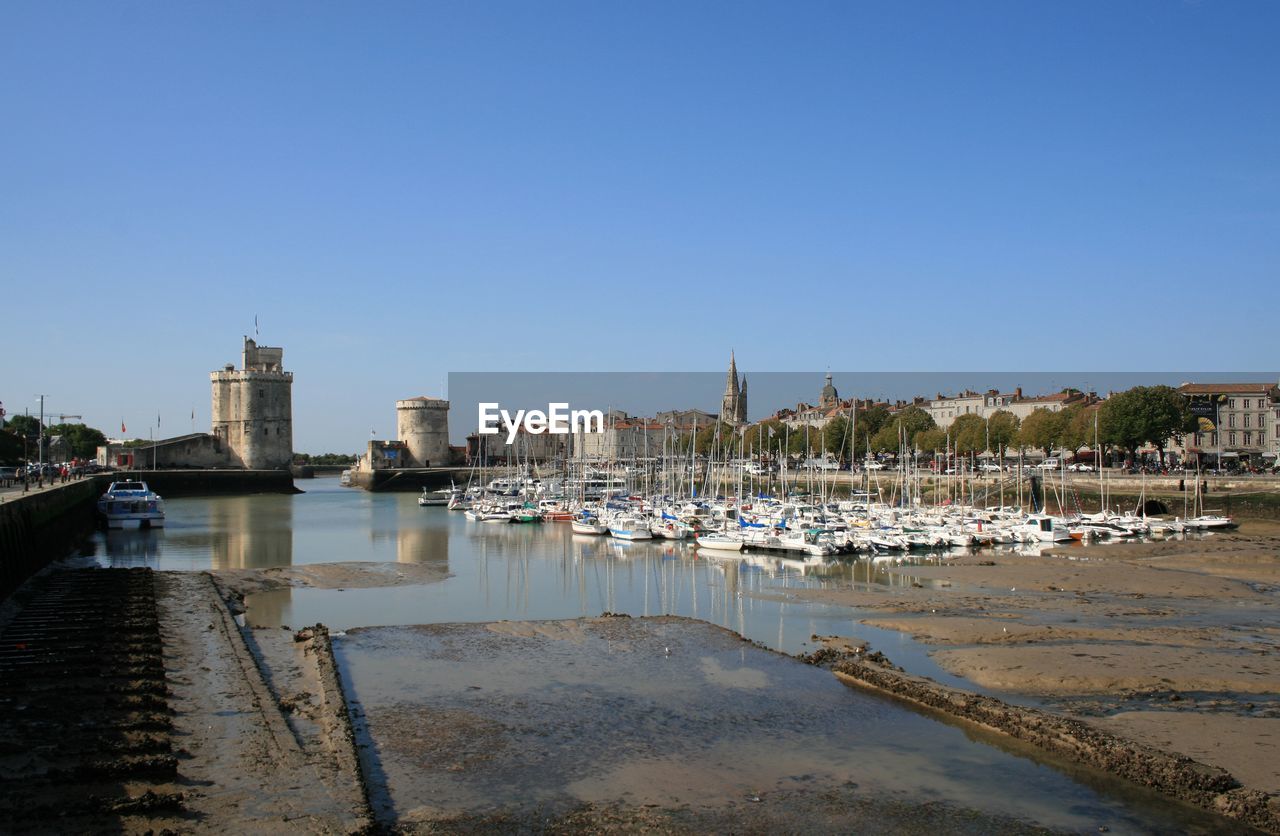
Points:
[(401, 190)]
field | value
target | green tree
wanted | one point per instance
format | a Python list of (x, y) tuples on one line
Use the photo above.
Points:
[(84, 440), (717, 439), (1002, 429), (766, 436), (913, 420), (932, 440), (968, 434), (886, 440), (1144, 415), (24, 426), (870, 421), (1042, 430), (835, 438), (1077, 427)]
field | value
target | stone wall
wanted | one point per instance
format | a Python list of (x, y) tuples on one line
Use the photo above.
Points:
[(36, 528), (423, 425), (253, 415)]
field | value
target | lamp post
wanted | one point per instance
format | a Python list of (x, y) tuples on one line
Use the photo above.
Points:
[(40, 436)]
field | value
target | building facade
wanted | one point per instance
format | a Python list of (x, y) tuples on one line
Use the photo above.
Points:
[(253, 409), (945, 410), (1239, 424)]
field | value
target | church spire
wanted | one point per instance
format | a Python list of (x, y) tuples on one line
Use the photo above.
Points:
[(733, 406)]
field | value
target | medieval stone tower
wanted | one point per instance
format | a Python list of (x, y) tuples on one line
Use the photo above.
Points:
[(253, 408), (733, 406), (423, 425)]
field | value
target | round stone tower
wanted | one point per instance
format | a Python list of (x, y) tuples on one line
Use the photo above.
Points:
[(253, 408), (423, 425)]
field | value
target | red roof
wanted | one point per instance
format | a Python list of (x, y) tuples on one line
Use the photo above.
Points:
[(1227, 388)]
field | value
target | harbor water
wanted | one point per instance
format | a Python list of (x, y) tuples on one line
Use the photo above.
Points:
[(506, 572)]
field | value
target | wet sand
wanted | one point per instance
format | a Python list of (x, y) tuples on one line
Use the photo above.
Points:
[(1175, 644), (363, 575), (673, 724)]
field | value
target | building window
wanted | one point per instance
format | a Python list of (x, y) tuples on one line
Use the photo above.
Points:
[(1246, 403), (266, 431), (1232, 438), (1246, 419), (1231, 420), (1213, 439), (1232, 403)]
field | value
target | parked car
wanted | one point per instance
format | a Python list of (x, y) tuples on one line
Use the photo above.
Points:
[(989, 468), (1080, 467), (1049, 464), (873, 466)]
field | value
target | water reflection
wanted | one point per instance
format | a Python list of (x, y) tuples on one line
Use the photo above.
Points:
[(130, 547), (421, 539), (251, 532)]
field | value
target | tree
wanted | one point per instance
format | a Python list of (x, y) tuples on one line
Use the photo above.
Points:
[(1077, 427), (886, 440), (717, 439), (1002, 430), (84, 440), (968, 434), (931, 440), (1144, 415), (1042, 429), (913, 420), (24, 426), (758, 437), (871, 420), (835, 437)]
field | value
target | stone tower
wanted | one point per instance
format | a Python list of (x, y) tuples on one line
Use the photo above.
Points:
[(733, 406), (253, 408), (829, 397), (423, 425)]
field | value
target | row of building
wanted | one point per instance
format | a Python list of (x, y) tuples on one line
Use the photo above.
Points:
[(253, 423)]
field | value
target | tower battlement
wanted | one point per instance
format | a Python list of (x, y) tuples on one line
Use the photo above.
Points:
[(253, 408)]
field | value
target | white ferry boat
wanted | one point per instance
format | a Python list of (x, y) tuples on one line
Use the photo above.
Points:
[(130, 505)]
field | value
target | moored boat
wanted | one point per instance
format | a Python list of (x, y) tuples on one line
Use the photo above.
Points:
[(433, 498), (719, 542), (628, 527), (131, 505)]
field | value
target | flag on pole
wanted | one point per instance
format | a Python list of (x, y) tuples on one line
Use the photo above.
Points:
[(122, 429), (157, 419)]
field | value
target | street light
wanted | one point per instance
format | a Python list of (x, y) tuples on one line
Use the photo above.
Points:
[(40, 436)]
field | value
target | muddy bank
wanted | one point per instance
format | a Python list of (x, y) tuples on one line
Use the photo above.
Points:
[(1176, 776), (673, 724), (248, 767), (349, 575), (1176, 643)]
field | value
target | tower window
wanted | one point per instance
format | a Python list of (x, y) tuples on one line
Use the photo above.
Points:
[(266, 431), (262, 393)]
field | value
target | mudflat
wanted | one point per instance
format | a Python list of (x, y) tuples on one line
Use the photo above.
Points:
[(1175, 644)]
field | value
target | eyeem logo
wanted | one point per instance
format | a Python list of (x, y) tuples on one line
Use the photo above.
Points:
[(557, 420)]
